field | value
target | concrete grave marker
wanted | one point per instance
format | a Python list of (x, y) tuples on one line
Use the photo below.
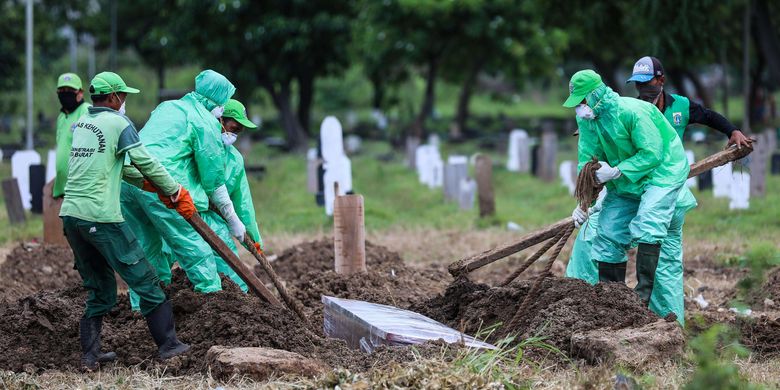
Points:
[(338, 168), (429, 165), (758, 161), (20, 169), (13, 201), (567, 171), (51, 165), (739, 193), (467, 191), (547, 152), (312, 164), (691, 182), (721, 181), (483, 168), (457, 168), (519, 153)]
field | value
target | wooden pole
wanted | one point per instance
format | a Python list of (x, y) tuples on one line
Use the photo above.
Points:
[(471, 263), (13, 201), (484, 176), (349, 234), (52, 223)]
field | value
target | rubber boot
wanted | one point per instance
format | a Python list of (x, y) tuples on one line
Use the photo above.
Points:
[(646, 264), (612, 272), (163, 331), (89, 336)]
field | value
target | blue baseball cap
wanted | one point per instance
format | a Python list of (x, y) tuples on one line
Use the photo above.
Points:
[(646, 69)]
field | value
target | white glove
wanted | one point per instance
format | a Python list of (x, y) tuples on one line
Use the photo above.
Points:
[(579, 216), (237, 228), (599, 202), (606, 173)]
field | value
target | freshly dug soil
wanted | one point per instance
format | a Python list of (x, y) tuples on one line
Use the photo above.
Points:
[(563, 306), (769, 290), (308, 271), (41, 331), (28, 269)]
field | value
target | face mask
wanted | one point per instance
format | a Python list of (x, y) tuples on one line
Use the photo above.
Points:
[(217, 111), (649, 93), (228, 138), (584, 112), (68, 100), (122, 108)]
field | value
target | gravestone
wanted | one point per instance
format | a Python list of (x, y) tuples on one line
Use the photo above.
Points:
[(547, 152), (412, 143), (721, 181), (429, 165), (759, 160), (312, 165), (568, 174), (51, 165), (467, 191), (691, 182), (338, 168), (776, 164), (739, 194), (353, 144), (705, 180), (457, 168), (13, 201), (20, 169), (52, 223), (483, 168), (37, 181), (519, 152)]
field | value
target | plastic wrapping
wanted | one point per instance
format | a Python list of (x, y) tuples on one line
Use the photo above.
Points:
[(365, 326)]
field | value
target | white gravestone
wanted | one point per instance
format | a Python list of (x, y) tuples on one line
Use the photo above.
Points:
[(567, 171), (429, 165), (519, 153), (51, 165), (739, 193), (457, 168), (337, 166), (20, 169), (467, 192), (721, 181), (691, 159), (312, 164)]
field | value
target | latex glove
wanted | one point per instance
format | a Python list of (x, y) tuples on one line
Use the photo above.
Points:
[(579, 216), (237, 228), (606, 173)]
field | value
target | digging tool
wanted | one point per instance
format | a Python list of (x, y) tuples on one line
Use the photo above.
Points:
[(469, 264), (216, 243)]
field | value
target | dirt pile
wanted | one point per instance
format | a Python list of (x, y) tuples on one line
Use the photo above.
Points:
[(29, 268), (770, 290), (308, 271), (563, 306)]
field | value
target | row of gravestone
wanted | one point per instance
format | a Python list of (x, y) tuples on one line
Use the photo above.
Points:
[(328, 164), (452, 177)]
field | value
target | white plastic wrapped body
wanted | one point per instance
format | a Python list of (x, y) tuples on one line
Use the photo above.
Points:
[(365, 326)]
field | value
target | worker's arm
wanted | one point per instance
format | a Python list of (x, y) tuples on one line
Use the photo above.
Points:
[(238, 187), (588, 144), (148, 166), (704, 116), (648, 142)]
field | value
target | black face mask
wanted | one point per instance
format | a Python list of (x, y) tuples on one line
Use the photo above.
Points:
[(68, 100), (649, 93)]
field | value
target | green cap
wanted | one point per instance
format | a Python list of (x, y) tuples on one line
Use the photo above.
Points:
[(109, 82), (581, 84), (70, 80), (236, 111)]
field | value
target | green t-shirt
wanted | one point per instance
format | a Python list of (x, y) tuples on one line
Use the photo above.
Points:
[(64, 138), (678, 114), (100, 139)]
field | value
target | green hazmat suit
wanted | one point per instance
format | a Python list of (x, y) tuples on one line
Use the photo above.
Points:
[(184, 136), (667, 293)]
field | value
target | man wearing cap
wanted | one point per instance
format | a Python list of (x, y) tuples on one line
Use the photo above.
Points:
[(101, 241), (648, 75), (644, 168), (184, 135), (72, 107)]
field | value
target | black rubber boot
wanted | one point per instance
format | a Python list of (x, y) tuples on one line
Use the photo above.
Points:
[(646, 263), (163, 331), (89, 336), (612, 272)]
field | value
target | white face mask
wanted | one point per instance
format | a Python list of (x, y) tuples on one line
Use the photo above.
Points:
[(584, 111), (228, 138), (122, 108), (217, 111)]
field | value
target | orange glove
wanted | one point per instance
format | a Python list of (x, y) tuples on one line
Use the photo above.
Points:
[(148, 186), (181, 201), (258, 248)]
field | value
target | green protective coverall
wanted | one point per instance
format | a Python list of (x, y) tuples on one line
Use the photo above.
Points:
[(64, 138), (624, 215), (183, 135)]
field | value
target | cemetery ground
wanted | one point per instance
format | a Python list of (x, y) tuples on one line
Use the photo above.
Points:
[(728, 255)]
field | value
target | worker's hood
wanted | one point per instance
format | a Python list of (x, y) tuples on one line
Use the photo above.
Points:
[(212, 89)]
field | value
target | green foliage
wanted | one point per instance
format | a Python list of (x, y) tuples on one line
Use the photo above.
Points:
[(713, 352), (759, 259)]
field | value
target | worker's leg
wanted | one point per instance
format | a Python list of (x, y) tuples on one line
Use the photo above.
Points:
[(609, 246), (648, 230), (192, 252), (219, 226), (581, 265)]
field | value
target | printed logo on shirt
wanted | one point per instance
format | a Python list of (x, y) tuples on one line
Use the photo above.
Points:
[(87, 152), (677, 118)]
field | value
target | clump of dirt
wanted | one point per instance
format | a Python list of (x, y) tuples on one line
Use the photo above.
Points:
[(308, 271), (563, 306), (28, 269), (769, 290)]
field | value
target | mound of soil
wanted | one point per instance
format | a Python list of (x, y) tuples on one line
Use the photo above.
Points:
[(308, 271), (769, 290), (28, 269), (562, 307)]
